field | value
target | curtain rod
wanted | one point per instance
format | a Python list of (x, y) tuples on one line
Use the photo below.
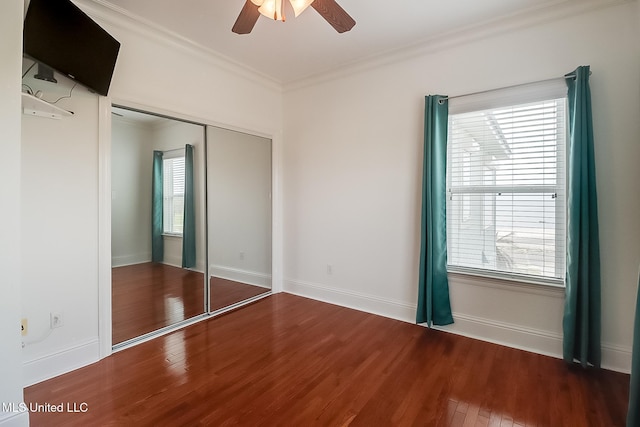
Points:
[(568, 76)]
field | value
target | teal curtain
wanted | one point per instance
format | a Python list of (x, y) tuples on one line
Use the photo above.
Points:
[(581, 322), (189, 219), (433, 285), (633, 416), (157, 243)]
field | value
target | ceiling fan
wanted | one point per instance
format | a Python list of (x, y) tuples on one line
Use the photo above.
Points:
[(331, 11)]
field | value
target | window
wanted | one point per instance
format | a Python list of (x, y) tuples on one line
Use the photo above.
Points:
[(506, 188), (173, 191)]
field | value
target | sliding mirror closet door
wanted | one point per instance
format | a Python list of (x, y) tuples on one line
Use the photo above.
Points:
[(238, 216), (157, 222)]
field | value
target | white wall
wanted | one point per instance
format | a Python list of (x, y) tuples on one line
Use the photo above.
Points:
[(10, 350), (353, 165), (131, 165), (59, 230), (61, 200), (239, 197)]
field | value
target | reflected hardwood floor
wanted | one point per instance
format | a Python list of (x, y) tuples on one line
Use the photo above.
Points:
[(150, 296), (290, 361), (227, 292)]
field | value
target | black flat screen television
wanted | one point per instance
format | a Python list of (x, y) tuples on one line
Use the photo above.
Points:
[(60, 35)]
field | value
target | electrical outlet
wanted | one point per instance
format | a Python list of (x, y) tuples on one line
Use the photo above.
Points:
[(242, 256), (24, 326), (329, 269), (55, 320)]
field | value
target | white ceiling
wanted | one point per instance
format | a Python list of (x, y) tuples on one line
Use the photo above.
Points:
[(306, 46)]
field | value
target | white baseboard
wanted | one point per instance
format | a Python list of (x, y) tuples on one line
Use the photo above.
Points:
[(371, 304), (61, 362), (616, 358), (124, 260), (14, 419), (548, 343), (243, 276)]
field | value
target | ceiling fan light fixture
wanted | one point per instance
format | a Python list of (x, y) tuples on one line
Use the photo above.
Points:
[(272, 9), (330, 10), (299, 6)]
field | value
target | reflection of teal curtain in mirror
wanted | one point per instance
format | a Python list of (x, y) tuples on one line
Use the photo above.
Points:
[(633, 416), (581, 322), (433, 286), (157, 243), (189, 219)]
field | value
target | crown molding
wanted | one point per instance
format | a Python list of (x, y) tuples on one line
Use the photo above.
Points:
[(546, 12), (105, 12)]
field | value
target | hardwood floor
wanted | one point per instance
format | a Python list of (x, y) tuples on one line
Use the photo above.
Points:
[(290, 361)]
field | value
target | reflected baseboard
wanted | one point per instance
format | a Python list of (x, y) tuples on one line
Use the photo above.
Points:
[(132, 259), (126, 261), (177, 262), (244, 276)]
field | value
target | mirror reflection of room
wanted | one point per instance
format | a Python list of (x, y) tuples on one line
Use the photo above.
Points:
[(158, 237), (239, 216)]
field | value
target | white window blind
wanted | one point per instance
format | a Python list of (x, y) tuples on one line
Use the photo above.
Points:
[(506, 190), (173, 199)]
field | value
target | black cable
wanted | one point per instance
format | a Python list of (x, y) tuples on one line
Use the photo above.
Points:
[(29, 91), (64, 97)]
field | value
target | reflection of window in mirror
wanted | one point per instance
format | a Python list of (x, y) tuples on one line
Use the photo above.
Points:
[(173, 195)]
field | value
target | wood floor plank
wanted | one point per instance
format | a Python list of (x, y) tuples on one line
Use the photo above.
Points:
[(291, 361)]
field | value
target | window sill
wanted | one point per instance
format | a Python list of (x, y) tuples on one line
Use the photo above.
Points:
[(514, 284), (172, 235)]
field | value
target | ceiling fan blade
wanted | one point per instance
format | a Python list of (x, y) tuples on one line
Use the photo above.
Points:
[(334, 15), (247, 19)]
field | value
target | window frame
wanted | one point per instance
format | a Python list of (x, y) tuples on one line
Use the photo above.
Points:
[(168, 197), (502, 98)]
